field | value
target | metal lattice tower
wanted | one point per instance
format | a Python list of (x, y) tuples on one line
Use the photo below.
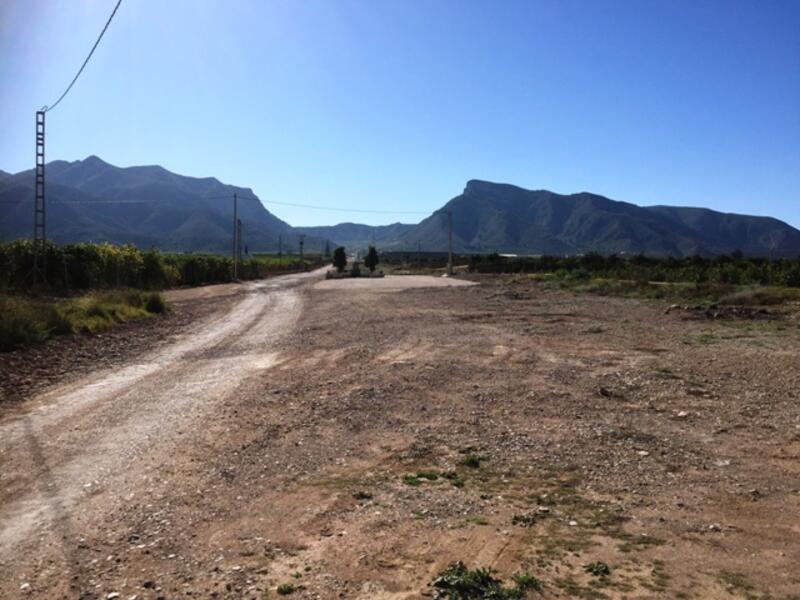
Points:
[(39, 232)]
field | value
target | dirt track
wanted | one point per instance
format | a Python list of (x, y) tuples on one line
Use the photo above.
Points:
[(224, 462)]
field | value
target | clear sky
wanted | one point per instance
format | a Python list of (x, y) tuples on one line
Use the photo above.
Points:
[(394, 105)]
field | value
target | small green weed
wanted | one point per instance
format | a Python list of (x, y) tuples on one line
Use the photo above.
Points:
[(526, 520), (457, 582), (598, 569), (706, 338), (454, 478)]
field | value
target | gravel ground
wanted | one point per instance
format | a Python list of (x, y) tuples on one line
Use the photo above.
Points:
[(353, 443)]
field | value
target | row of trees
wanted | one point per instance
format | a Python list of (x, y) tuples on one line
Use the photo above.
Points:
[(340, 259), (92, 266), (728, 269)]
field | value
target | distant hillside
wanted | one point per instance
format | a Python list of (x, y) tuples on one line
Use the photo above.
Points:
[(491, 217), (91, 200), (354, 235)]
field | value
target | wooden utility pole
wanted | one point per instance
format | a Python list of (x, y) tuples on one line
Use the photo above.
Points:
[(280, 251), (235, 236), (239, 240), (302, 239), (450, 242)]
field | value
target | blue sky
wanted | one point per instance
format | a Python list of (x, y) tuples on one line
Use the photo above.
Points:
[(394, 105)]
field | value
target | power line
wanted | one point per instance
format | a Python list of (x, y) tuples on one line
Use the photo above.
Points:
[(353, 210), (83, 66)]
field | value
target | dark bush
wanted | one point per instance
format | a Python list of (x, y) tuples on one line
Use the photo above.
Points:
[(155, 303)]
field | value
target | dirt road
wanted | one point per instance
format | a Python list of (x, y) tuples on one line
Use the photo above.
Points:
[(87, 441), (350, 441)]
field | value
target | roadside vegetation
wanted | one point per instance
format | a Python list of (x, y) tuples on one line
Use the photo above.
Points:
[(87, 266), (26, 320), (732, 280), (726, 269), (94, 286)]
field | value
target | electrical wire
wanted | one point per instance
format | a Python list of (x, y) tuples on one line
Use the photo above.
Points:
[(83, 66), (351, 210)]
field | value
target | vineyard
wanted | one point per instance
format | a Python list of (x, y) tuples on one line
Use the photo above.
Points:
[(85, 266)]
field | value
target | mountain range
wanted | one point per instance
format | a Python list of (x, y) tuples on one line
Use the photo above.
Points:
[(91, 200)]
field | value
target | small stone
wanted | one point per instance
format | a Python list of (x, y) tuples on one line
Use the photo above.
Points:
[(25, 587), (683, 414), (112, 595), (714, 527), (573, 523), (643, 453)]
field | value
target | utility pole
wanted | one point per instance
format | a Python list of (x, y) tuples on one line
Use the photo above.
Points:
[(450, 243), (280, 251), (39, 233), (239, 240), (419, 254), (302, 239), (235, 236)]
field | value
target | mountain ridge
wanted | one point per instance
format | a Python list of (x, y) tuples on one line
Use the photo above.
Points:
[(500, 217), (92, 200)]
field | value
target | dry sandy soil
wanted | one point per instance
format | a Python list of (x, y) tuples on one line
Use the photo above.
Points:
[(289, 432)]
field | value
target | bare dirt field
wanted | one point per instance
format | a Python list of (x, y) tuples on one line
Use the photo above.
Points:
[(353, 441)]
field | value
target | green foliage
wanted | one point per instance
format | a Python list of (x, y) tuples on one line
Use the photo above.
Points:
[(20, 324), (155, 304), (598, 569), (524, 520), (454, 478), (411, 480), (102, 266), (25, 321), (473, 461), (371, 260), (339, 259), (457, 582), (731, 270), (526, 581)]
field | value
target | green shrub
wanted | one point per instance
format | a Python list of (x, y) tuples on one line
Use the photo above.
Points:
[(25, 320), (473, 461), (20, 325), (155, 304), (457, 582)]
